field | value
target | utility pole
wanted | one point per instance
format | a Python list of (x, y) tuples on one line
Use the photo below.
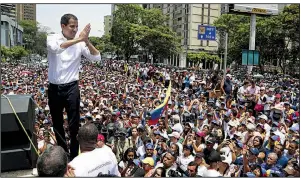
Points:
[(226, 54), (252, 37)]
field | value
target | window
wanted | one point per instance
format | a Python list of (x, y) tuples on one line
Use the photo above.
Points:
[(186, 26)]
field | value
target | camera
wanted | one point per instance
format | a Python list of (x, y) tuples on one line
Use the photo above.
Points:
[(173, 173), (186, 118)]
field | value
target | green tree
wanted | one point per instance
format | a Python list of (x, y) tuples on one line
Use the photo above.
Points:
[(277, 37), (136, 29), (197, 58), (5, 52), (125, 18), (237, 27), (155, 37), (34, 37), (17, 52)]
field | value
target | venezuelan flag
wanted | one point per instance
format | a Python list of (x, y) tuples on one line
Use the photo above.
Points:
[(157, 113)]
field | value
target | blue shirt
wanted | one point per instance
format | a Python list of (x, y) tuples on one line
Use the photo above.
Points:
[(282, 161), (273, 169)]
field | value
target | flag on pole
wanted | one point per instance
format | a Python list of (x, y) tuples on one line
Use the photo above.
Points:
[(157, 113)]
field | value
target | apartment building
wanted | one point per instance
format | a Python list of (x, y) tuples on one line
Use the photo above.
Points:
[(184, 19), (18, 12), (9, 10), (107, 24), (26, 12)]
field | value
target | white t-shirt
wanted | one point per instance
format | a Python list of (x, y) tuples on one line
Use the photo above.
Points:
[(184, 161), (166, 75), (141, 151), (90, 164), (211, 173), (192, 79), (269, 99), (240, 93), (201, 170)]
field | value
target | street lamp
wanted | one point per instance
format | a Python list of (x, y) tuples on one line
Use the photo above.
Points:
[(226, 53)]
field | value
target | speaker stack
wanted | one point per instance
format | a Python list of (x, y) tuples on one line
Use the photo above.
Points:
[(16, 151)]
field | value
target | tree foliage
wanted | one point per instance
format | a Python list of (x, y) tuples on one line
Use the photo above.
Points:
[(277, 37), (34, 37), (103, 44), (197, 58), (15, 53), (136, 29)]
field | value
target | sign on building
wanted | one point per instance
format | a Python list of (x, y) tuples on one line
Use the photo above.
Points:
[(206, 32)]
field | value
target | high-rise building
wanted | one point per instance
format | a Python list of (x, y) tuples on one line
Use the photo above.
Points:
[(19, 11), (9, 10), (26, 12), (107, 24), (184, 20)]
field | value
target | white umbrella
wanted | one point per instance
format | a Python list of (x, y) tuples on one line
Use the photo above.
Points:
[(258, 76)]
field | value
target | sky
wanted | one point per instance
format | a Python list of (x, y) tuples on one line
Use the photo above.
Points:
[(49, 15)]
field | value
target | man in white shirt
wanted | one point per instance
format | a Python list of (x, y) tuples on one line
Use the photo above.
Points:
[(64, 56), (92, 160), (185, 158), (167, 77), (101, 143), (242, 91), (213, 165)]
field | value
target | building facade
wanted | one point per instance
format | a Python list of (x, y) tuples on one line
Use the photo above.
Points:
[(11, 32), (9, 10), (107, 24), (19, 11), (26, 12), (184, 20)]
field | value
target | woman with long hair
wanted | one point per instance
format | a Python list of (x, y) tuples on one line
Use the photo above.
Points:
[(127, 163), (159, 172)]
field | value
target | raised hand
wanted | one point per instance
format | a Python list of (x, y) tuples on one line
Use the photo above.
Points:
[(85, 33)]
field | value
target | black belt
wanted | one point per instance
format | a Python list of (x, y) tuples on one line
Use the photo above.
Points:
[(63, 85)]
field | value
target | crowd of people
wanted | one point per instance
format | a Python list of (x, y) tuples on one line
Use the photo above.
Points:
[(211, 126)]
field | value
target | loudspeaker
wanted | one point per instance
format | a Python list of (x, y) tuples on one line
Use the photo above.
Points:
[(16, 151)]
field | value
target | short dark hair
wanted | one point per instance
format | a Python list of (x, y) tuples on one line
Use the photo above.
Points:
[(87, 134), (66, 17), (53, 162), (193, 163)]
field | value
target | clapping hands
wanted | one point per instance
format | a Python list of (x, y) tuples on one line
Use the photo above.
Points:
[(85, 33)]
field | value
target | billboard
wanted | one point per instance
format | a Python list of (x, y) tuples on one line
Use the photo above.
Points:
[(261, 9)]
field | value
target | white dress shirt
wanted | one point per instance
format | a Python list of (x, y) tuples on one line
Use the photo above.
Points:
[(64, 62)]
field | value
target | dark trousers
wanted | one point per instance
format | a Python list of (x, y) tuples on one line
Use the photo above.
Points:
[(65, 96)]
